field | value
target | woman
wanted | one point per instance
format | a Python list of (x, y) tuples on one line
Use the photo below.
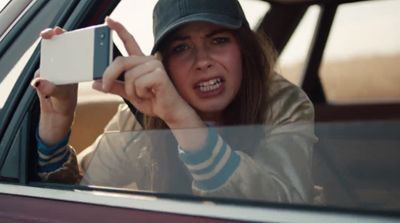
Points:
[(209, 69)]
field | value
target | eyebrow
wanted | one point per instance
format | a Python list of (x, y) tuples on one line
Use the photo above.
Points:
[(178, 37)]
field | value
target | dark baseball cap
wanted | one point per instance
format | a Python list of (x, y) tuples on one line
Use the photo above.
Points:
[(168, 15)]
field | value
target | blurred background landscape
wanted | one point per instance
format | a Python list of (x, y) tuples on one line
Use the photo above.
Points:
[(373, 79)]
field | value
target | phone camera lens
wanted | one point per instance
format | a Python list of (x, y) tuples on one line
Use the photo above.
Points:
[(102, 36), (101, 43)]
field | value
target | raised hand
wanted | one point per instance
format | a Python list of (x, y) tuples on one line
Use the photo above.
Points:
[(57, 103), (147, 85)]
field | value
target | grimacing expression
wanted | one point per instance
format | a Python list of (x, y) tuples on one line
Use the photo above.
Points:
[(204, 62)]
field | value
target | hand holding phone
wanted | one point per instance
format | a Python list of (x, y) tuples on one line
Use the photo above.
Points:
[(76, 56)]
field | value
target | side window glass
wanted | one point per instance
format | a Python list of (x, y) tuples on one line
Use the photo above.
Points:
[(292, 59), (360, 63), (8, 82)]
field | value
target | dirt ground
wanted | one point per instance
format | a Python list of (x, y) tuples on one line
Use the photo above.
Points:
[(358, 80)]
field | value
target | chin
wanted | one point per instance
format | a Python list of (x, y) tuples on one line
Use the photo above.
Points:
[(216, 106), (211, 108)]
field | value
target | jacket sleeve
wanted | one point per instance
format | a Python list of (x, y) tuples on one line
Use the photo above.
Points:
[(60, 166), (279, 169)]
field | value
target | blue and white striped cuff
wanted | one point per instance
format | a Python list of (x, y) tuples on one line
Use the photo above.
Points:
[(212, 165), (50, 150), (56, 162), (52, 158)]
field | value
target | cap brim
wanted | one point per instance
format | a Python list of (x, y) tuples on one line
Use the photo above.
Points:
[(217, 19)]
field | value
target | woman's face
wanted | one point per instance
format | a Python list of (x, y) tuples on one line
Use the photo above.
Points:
[(204, 62)]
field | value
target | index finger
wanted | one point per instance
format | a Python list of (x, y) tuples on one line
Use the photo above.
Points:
[(49, 33), (129, 41)]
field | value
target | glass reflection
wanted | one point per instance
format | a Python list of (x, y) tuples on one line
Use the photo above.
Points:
[(248, 162), (353, 165)]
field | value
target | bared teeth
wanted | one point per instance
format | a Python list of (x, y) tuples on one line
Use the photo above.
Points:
[(210, 85)]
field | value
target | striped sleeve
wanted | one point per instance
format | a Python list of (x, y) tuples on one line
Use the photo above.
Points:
[(213, 165), (53, 157)]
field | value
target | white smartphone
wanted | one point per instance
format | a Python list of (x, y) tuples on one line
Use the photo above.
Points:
[(76, 56)]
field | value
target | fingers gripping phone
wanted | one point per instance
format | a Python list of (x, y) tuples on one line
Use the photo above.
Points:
[(76, 56)]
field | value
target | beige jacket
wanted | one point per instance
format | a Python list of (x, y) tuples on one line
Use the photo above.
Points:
[(276, 169)]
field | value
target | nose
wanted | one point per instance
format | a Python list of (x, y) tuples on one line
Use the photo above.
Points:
[(203, 60)]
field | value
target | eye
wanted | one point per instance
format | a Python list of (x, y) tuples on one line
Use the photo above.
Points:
[(179, 48), (220, 40)]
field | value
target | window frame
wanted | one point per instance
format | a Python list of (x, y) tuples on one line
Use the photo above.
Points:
[(127, 206)]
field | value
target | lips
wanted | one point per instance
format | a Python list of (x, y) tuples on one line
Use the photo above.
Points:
[(210, 85)]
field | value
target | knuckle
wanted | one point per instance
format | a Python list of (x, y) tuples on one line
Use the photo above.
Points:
[(130, 93), (137, 85), (129, 76), (119, 60), (124, 62), (133, 57), (159, 71), (130, 36), (130, 97), (149, 63), (158, 65), (156, 62)]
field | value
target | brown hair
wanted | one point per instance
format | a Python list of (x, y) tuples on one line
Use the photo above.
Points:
[(251, 103)]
